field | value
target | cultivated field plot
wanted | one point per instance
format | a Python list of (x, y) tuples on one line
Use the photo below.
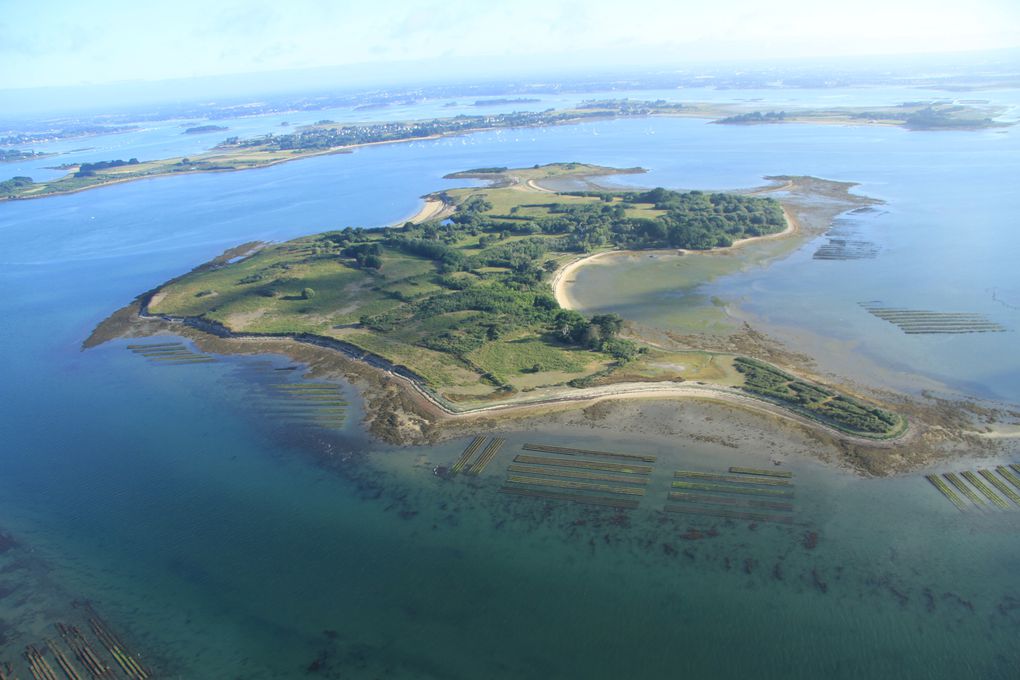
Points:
[(846, 249), (977, 488), (926, 322), (308, 403), (751, 494), (88, 649), (607, 478), (485, 455), (845, 243), (169, 354), (304, 403)]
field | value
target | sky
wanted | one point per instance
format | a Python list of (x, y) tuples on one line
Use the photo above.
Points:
[(47, 43)]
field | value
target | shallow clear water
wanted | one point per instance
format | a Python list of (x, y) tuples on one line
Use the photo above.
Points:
[(210, 534), (941, 239)]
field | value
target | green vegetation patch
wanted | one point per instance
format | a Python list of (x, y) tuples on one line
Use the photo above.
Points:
[(532, 355), (838, 410), (15, 186)]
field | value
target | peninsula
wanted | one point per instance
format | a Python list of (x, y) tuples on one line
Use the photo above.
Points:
[(459, 304)]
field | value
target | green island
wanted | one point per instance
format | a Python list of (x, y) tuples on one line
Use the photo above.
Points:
[(505, 100), (329, 137), (460, 303), (205, 129), (12, 155)]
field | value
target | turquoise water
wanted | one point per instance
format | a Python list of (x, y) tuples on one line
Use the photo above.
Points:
[(228, 545)]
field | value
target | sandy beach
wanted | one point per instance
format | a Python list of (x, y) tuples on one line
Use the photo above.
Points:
[(433, 209), (535, 186), (564, 276)]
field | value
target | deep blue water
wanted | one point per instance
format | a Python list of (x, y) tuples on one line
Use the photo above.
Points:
[(214, 537)]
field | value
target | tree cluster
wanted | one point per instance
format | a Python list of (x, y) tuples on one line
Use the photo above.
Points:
[(754, 117), (932, 118), (12, 186), (693, 220), (90, 169), (367, 255)]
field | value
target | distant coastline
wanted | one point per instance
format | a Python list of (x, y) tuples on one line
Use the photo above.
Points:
[(235, 154)]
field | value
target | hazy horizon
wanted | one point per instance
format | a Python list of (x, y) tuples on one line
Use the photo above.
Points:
[(122, 44), (356, 78)]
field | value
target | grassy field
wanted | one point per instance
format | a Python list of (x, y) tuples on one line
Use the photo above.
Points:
[(447, 375), (522, 202), (696, 366), (265, 293), (529, 362)]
